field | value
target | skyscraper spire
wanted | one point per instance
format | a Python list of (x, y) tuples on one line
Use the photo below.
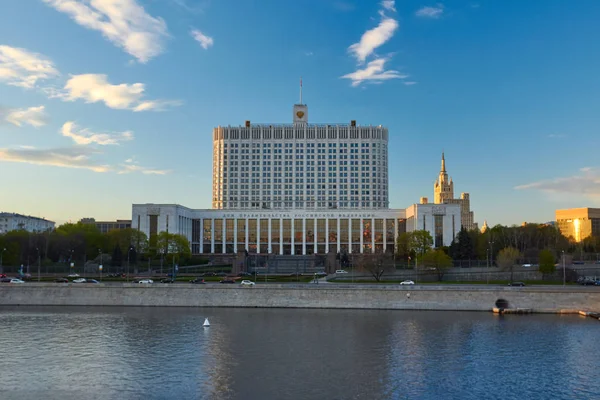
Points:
[(443, 163), (300, 90)]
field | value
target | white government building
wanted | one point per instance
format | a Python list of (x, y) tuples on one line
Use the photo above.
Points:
[(299, 188)]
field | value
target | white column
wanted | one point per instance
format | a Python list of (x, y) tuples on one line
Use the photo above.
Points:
[(349, 235), (315, 224), (257, 235), (201, 235), (339, 233), (246, 239), (384, 235), (361, 235), (235, 249), (326, 235), (280, 235), (303, 236), (293, 232), (372, 235), (224, 233), (212, 236), (270, 245)]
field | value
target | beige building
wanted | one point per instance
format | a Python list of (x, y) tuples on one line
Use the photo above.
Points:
[(107, 226), (443, 193), (579, 223)]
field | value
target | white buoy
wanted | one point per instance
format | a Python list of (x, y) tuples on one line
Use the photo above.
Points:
[(206, 324)]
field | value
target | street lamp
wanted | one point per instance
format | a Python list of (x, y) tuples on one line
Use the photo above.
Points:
[(128, 252), (564, 269), (1, 254), (39, 263), (100, 266)]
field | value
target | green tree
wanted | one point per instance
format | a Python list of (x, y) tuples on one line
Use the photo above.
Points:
[(547, 262), (175, 246), (507, 258), (462, 246), (403, 247), (117, 257), (420, 242), (128, 237), (438, 261)]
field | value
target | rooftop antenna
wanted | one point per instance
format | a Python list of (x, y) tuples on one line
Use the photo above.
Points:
[(300, 90)]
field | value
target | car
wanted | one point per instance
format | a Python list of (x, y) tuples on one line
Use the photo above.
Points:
[(246, 282), (587, 282), (527, 265), (167, 280), (341, 271), (226, 281), (80, 280), (244, 274), (2, 276), (5, 280), (91, 281), (15, 280), (521, 284), (73, 276), (407, 283), (145, 281), (321, 273), (198, 281), (61, 280)]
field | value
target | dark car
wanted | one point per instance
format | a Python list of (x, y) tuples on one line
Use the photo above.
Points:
[(244, 274), (221, 274), (167, 280), (5, 280), (516, 284), (226, 281), (91, 281), (321, 273), (61, 280), (198, 281), (587, 282)]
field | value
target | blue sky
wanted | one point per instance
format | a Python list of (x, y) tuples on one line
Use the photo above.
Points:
[(105, 103)]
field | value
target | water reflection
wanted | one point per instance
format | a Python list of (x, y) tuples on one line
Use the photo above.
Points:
[(165, 353)]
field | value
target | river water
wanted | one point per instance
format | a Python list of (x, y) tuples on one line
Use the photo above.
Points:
[(164, 353)]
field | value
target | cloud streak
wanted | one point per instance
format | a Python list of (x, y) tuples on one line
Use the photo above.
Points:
[(389, 5), (34, 116), (93, 88), (125, 23), (85, 136), (20, 67), (132, 166), (430, 12), (205, 41), (374, 72), (374, 38), (66, 157), (586, 183)]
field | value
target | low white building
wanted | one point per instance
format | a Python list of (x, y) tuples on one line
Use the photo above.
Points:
[(14, 222)]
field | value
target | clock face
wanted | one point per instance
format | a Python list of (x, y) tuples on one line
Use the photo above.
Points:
[(300, 114)]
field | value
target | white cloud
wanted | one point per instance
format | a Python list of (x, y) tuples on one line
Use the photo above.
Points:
[(409, 83), (19, 67), (34, 116), (430, 12), (389, 5), (93, 88), (123, 22), (85, 136), (586, 183), (309, 53), (132, 166), (205, 41), (67, 157), (374, 38), (374, 72)]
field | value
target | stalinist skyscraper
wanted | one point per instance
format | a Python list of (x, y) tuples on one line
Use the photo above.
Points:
[(443, 193)]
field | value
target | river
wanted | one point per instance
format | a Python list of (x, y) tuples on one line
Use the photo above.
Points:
[(164, 353)]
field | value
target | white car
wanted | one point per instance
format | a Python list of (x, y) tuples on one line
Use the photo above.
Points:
[(80, 280), (407, 283), (246, 282), (73, 276), (146, 281), (15, 280), (341, 271)]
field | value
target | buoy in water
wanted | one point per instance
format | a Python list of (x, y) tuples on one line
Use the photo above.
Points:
[(206, 324)]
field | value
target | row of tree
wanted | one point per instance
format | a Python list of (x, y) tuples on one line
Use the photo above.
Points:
[(79, 243)]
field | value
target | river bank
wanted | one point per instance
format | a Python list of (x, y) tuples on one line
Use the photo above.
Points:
[(460, 298)]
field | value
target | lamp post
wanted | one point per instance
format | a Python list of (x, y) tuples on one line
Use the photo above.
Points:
[(128, 252), (1, 254), (564, 269), (39, 262), (100, 266)]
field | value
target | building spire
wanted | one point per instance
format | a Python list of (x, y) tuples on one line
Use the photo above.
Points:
[(300, 90), (443, 163)]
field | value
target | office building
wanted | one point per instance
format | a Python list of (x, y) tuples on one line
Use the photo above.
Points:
[(15, 222), (579, 223), (107, 226)]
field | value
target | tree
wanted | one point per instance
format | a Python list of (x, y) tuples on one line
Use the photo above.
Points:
[(438, 261), (373, 263), (117, 257), (547, 262), (462, 247), (174, 245), (507, 258), (420, 241), (403, 246)]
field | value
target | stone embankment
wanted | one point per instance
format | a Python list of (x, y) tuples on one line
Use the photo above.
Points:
[(466, 298)]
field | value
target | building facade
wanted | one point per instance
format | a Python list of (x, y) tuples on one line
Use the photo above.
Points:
[(578, 223), (107, 226), (14, 222), (298, 189), (443, 193)]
